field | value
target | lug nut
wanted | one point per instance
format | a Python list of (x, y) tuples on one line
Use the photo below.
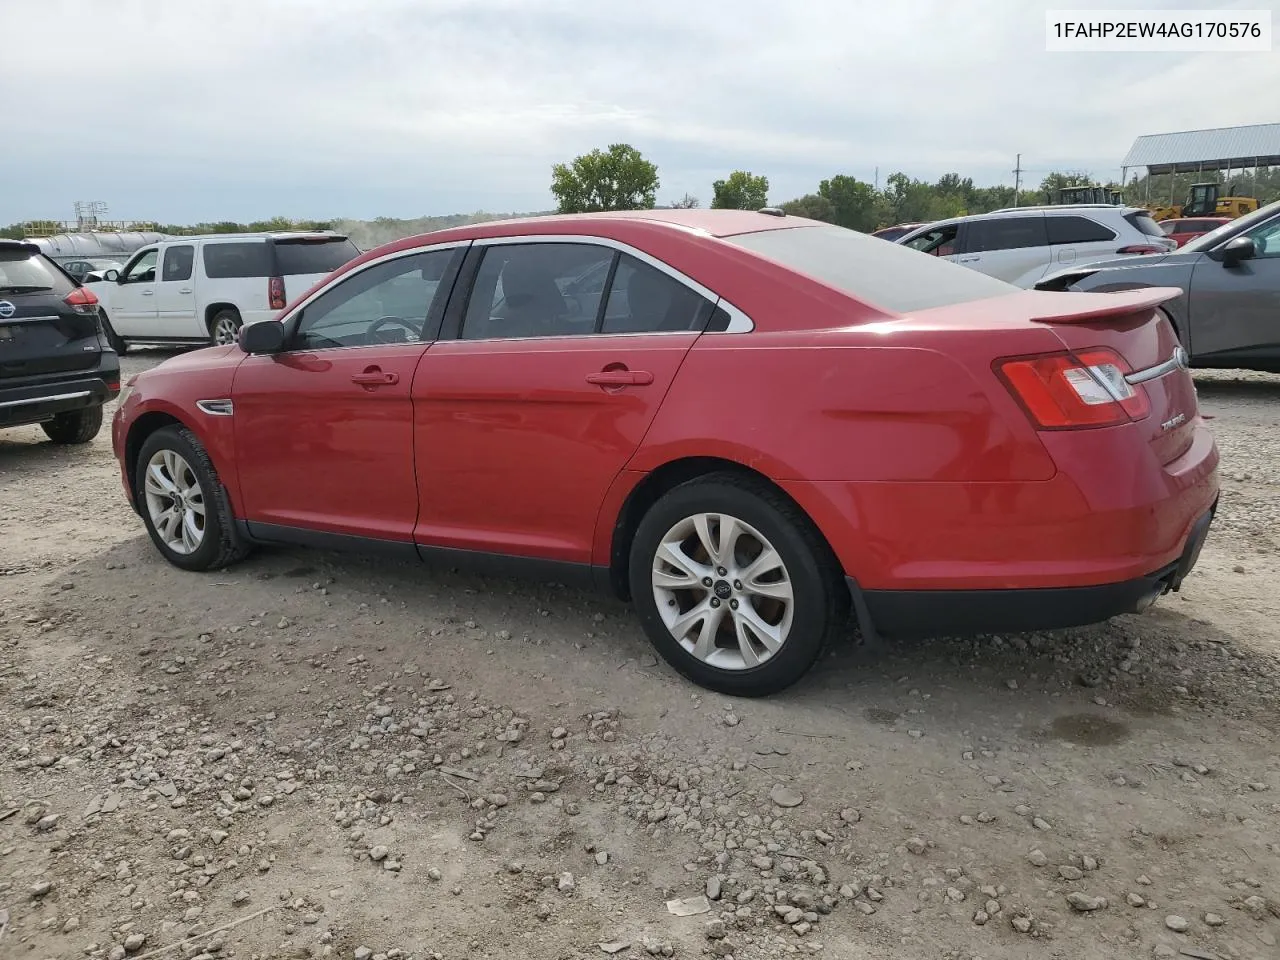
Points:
[(721, 570), (715, 602), (737, 584), (733, 604), (706, 581)]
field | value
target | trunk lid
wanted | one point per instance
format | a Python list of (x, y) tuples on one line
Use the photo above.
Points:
[(1131, 324), (40, 333)]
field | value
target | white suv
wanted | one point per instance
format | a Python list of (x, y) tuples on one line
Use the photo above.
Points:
[(200, 290), (1022, 244)]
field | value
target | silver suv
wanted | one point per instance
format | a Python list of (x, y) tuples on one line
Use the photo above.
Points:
[(1022, 244)]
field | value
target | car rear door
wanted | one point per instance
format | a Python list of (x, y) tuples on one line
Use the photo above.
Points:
[(1076, 238), (541, 389), (40, 334), (1010, 248), (324, 429), (1235, 310), (176, 314), (133, 298)]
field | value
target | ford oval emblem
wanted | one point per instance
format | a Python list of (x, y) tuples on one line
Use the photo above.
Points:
[(7, 309)]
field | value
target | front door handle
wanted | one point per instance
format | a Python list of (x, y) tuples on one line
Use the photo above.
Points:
[(185, 290), (967, 259), (621, 378), (373, 377), (148, 293)]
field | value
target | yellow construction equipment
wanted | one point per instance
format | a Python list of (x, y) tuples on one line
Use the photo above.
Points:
[(1205, 200)]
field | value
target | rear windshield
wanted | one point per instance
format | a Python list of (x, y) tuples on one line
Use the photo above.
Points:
[(1143, 223), (24, 272), (296, 257), (885, 275)]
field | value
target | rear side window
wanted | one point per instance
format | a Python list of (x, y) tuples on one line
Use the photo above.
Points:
[(536, 290), (24, 272), (1143, 223), (643, 299), (298, 257), (1077, 230), (247, 259), (890, 276), (178, 262), (1006, 233)]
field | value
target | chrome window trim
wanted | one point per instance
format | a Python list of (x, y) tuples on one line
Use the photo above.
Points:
[(739, 322)]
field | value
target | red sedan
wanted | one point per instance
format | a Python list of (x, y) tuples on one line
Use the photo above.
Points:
[(748, 424), (1185, 229)]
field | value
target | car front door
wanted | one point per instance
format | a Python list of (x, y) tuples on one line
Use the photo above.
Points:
[(324, 429), (133, 301), (1235, 310), (537, 396), (941, 241), (1010, 248), (176, 295)]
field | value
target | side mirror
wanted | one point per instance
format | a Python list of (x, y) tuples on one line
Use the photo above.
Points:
[(113, 275), (1235, 250), (266, 336)]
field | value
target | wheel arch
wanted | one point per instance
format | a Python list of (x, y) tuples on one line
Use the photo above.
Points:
[(213, 309), (664, 478)]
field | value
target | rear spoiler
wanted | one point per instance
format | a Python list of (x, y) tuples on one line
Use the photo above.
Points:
[(1088, 307)]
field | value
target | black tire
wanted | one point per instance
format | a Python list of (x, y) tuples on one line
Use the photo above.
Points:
[(221, 545), (228, 315), (78, 426), (820, 596), (113, 338)]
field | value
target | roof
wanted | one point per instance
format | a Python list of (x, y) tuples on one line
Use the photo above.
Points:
[(268, 235), (717, 223), (1220, 148)]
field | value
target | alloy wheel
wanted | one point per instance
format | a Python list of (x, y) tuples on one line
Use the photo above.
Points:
[(225, 331), (175, 501), (723, 591)]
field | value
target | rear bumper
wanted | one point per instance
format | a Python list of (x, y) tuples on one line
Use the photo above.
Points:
[(925, 613), (36, 400)]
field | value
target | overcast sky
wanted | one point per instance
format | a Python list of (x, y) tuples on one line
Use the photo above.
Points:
[(245, 109)]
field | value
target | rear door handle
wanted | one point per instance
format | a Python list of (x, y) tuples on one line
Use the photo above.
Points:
[(185, 290), (621, 378), (967, 259), (373, 377), (148, 293)]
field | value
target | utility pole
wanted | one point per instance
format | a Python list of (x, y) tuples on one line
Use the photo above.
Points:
[(1017, 179), (877, 179)]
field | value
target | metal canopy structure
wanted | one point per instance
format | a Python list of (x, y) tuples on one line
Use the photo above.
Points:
[(1194, 151)]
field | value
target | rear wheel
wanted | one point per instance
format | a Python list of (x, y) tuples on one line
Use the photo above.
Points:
[(184, 505), (224, 328), (78, 426), (734, 586), (113, 338)]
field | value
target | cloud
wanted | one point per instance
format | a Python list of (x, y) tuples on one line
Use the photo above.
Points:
[(241, 109)]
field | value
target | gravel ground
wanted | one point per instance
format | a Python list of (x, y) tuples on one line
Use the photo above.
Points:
[(315, 755)]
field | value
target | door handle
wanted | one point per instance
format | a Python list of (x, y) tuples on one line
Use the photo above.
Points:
[(373, 377), (148, 293), (967, 259), (185, 290), (621, 378)]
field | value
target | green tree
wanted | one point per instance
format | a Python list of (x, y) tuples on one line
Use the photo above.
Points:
[(687, 202), (742, 191), (811, 205), (619, 178), (853, 203)]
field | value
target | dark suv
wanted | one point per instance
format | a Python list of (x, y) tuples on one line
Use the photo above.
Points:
[(56, 368)]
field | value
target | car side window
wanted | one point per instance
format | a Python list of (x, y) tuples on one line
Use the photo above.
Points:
[(1267, 239), (141, 269), (1063, 230), (383, 304), (643, 299), (940, 241), (1006, 233), (526, 290), (178, 262)]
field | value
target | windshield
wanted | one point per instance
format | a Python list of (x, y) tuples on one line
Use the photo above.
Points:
[(1231, 227), (886, 275)]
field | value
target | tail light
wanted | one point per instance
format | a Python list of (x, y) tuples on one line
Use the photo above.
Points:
[(1072, 390), (1148, 248), (82, 300), (275, 293)]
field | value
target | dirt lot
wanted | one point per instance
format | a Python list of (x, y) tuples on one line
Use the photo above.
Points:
[(315, 755)]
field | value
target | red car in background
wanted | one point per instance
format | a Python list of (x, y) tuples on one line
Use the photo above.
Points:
[(748, 424), (897, 230), (1186, 229)]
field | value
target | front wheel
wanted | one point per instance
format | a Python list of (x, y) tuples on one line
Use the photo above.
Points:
[(224, 328), (734, 586), (78, 426), (184, 505)]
